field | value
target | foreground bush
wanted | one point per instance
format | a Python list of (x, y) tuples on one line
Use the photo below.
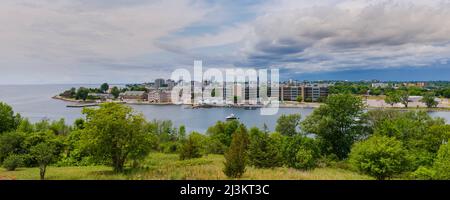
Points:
[(262, 150), (12, 162), (441, 165), (192, 147), (379, 156), (236, 156), (300, 152)]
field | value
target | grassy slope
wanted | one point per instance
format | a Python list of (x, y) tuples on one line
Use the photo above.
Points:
[(167, 166)]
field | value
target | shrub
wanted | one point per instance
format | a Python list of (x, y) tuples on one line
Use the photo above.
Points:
[(379, 156), (262, 150), (12, 162), (214, 146), (423, 173), (236, 156), (192, 147), (300, 152), (11, 143), (170, 147), (304, 159)]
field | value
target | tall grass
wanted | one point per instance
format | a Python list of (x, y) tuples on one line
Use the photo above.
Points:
[(159, 166)]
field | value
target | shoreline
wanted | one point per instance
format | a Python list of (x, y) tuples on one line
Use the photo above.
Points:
[(81, 103)]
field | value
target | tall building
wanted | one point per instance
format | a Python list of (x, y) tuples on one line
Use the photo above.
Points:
[(159, 82), (315, 92)]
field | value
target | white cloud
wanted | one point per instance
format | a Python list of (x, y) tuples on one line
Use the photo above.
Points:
[(77, 30), (335, 35)]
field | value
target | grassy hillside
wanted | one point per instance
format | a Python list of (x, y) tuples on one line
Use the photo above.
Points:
[(168, 166)]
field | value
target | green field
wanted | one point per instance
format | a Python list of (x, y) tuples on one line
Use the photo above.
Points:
[(168, 167)]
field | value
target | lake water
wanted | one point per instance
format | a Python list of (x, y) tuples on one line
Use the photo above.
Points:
[(35, 103)]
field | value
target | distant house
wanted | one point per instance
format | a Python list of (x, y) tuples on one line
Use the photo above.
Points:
[(133, 96), (159, 96), (380, 85)]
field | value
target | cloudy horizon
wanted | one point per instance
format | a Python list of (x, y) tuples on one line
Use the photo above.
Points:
[(118, 41)]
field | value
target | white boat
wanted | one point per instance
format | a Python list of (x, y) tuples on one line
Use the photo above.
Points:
[(231, 117)]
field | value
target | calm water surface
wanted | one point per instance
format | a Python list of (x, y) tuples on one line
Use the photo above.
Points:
[(35, 103)]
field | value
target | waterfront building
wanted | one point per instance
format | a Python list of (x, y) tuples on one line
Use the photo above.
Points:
[(290, 93), (251, 93), (131, 96), (159, 96), (248, 93), (315, 91), (308, 92)]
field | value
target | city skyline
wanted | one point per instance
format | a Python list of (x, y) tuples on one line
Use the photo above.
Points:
[(117, 41)]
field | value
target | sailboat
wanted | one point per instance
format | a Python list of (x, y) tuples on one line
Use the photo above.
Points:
[(231, 117)]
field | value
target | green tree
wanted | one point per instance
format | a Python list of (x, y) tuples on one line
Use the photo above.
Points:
[(69, 93), (12, 162), (420, 134), (441, 164), (338, 124), (288, 125), (182, 132), (236, 156), (213, 92), (114, 132), (379, 156), (299, 99), (115, 92), (104, 87), (300, 152), (59, 127), (11, 143), (404, 97), (82, 93), (223, 131), (429, 101), (262, 150), (8, 120), (192, 146), (79, 123), (25, 126), (44, 153)]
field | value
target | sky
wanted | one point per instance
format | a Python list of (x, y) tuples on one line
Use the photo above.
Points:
[(132, 41)]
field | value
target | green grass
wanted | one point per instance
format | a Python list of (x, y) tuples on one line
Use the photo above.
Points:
[(168, 167)]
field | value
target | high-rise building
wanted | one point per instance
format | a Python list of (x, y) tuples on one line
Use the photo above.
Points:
[(159, 82)]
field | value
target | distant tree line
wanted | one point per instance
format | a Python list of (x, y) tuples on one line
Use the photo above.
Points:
[(82, 93)]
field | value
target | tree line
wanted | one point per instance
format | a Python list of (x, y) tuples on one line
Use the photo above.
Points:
[(82, 93)]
